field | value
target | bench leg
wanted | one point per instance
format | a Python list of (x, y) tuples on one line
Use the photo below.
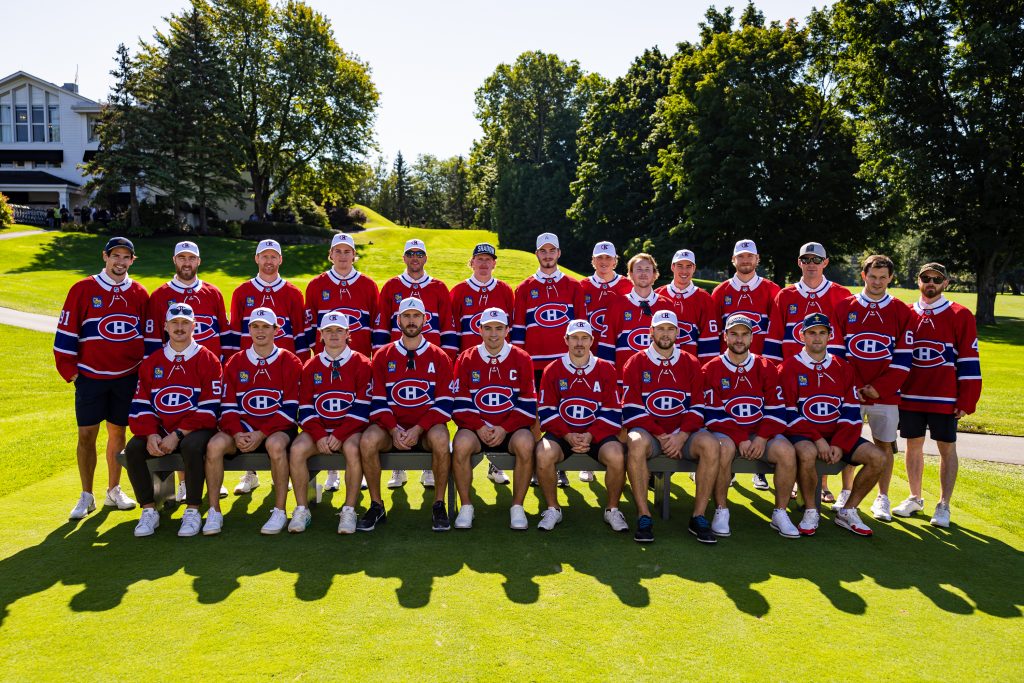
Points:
[(453, 497), (817, 493), (666, 494), (314, 491), (163, 488)]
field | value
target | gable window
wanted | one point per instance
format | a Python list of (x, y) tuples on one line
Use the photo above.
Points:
[(93, 121), (21, 123), (53, 130), (6, 131), (38, 123)]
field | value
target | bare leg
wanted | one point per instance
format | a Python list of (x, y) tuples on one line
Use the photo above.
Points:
[(638, 450), (115, 444), (373, 441), (521, 445), (915, 465), (949, 465), (220, 445), (548, 454), (613, 458)]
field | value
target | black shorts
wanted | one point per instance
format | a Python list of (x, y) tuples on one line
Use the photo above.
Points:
[(501, 447), (97, 400), (594, 447), (847, 455), (942, 427)]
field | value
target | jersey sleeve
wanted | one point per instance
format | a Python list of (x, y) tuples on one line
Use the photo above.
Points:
[(230, 413), (693, 417), (449, 333), (441, 411), (153, 327), (519, 318), (310, 314), (850, 423), (382, 323), (609, 414), (232, 340), (524, 410), (550, 420), (579, 305), (774, 420), (968, 365), (142, 418), (65, 343), (359, 412), (634, 414), (707, 343), (309, 420), (208, 405), (380, 410), (776, 331), (299, 317), (612, 323)]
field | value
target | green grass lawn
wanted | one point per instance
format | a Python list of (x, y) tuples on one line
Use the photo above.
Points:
[(18, 227), (374, 219)]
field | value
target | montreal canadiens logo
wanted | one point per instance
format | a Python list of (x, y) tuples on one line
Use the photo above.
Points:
[(173, 399), (474, 322), (870, 346), (119, 327), (929, 354), (597, 321), (261, 402), (204, 328), (410, 393), (665, 403), (355, 318), (280, 327), (552, 315), (745, 410), (687, 332), (756, 317), (640, 339), (493, 400), (821, 408), (577, 412), (333, 405)]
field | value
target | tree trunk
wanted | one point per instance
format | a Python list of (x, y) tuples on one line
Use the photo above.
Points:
[(133, 201), (259, 198), (985, 311)]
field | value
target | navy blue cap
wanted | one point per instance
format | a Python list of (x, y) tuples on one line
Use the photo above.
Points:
[(816, 320), (485, 248), (115, 242)]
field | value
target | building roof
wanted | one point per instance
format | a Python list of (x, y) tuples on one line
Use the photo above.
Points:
[(32, 178), (39, 81)]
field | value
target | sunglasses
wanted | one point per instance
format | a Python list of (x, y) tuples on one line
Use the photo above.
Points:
[(932, 279), (416, 254), (180, 310), (817, 260)]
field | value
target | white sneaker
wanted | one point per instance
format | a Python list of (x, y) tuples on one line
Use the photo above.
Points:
[(347, 523), (179, 494), (464, 520), (86, 504), (148, 523), (549, 518), (214, 523), (223, 491), (849, 519), (301, 519), (941, 516), (497, 475), (720, 522), (841, 499), (248, 482), (587, 476), (191, 522), (398, 479), (117, 498), (427, 479), (909, 507), (880, 508), (782, 524), (517, 516), (809, 524), (278, 520), (333, 482), (614, 518)]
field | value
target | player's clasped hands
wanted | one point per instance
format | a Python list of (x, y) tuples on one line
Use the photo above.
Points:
[(328, 445), (247, 442), (672, 444)]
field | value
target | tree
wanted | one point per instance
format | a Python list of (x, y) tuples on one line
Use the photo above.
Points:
[(937, 86), (403, 191), (458, 207), (304, 103)]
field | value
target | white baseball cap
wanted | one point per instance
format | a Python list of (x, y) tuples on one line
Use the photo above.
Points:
[(684, 255), (335, 319), (744, 247), (343, 238), (813, 248), (263, 315), (186, 248), (494, 314), (415, 244), (180, 312), (578, 327), (547, 238), (411, 304), (665, 318), (604, 249), (739, 319), (265, 245)]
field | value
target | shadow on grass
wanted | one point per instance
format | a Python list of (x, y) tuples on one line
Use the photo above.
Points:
[(959, 570)]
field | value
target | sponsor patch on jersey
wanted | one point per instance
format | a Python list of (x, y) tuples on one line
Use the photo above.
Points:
[(398, 298), (792, 309), (627, 316), (318, 378), (852, 318), (586, 298), (250, 302), (647, 376), (468, 302), (534, 294), (243, 377), (728, 300), (392, 366), (475, 376), (801, 380), (325, 295), (97, 302), (726, 384), (158, 372), (563, 385)]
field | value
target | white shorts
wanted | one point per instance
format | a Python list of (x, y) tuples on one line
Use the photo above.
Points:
[(883, 420)]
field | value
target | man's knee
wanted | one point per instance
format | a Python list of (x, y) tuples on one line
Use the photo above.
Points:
[(611, 455), (521, 444), (547, 454)]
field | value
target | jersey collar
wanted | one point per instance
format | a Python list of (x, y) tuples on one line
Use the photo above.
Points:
[(591, 364), (747, 364), (255, 359), (599, 283), (476, 285), (941, 304), (738, 284), (409, 282), (556, 276), (812, 364), (276, 285), (820, 290), (684, 293), (181, 288), (656, 357), (866, 301), (400, 347), (104, 281), (636, 299), (190, 350), (327, 360), (502, 355), (339, 280)]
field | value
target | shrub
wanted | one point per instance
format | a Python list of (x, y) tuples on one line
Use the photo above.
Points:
[(233, 229), (298, 209), (6, 212), (272, 228), (343, 218), (157, 219)]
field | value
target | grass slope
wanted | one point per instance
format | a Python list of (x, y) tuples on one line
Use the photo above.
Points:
[(374, 219), (18, 227)]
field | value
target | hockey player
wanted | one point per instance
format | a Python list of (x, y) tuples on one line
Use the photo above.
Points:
[(694, 308), (603, 286), (753, 296), (628, 318)]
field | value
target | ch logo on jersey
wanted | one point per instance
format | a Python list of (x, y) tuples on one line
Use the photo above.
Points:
[(756, 317), (474, 322), (493, 400), (929, 354), (355, 318), (204, 328), (597, 321), (119, 327), (333, 405), (745, 410), (687, 332), (174, 399), (552, 315), (410, 393), (577, 412), (666, 403), (280, 331), (870, 346), (640, 339), (821, 408), (261, 402)]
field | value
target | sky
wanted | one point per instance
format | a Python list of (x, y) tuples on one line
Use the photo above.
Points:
[(427, 58)]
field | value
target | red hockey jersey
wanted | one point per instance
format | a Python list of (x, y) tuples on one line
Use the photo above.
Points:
[(797, 301), (497, 391), (743, 401), (409, 396), (663, 396), (544, 305), (207, 302), (334, 398), (355, 295), (176, 391), (470, 299), (577, 400), (821, 400), (756, 300), (698, 320), (284, 299), (99, 331), (260, 394), (438, 328), (596, 296), (877, 342), (627, 327), (946, 373)]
